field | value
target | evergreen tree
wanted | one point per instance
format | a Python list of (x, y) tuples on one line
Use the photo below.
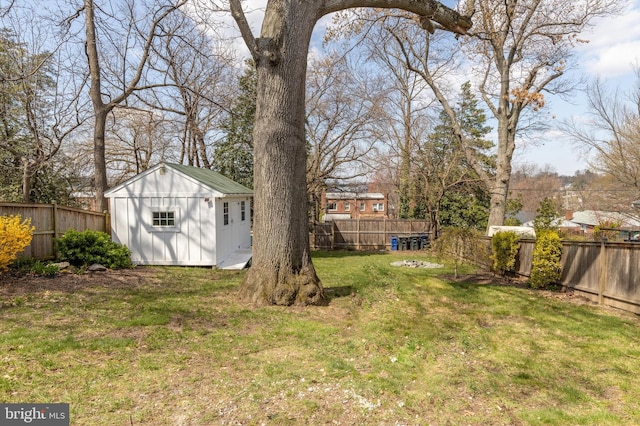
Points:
[(28, 139), (465, 210), (233, 157), (546, 216), (514, 206), (452, 194)]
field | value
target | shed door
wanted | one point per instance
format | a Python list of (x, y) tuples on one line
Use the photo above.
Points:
[(230, 229)]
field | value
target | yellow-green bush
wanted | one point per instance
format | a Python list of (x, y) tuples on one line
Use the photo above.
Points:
[(505, 246), (546, 267), (15, 236)]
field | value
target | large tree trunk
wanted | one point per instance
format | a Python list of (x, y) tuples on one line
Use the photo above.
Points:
[(281, 272), (99, 109), (100, 159), (507, 116), (500, 184), (27, 179)]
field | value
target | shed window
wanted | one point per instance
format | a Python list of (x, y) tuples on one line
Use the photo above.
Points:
[(243, 211), (165, 218), (225, 213)]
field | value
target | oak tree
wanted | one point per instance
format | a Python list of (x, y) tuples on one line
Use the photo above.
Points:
[(282, 272)]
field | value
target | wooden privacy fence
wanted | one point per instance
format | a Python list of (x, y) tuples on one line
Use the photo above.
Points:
[(52, 221), (365, 234), (605, 272)]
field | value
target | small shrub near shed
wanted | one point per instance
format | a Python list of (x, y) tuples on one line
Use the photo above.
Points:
[(89, 247)]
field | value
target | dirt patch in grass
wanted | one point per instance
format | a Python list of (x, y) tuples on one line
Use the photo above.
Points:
[(489, 278), (16, 284)]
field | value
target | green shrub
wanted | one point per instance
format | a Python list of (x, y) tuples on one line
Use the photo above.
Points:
[(546, 267), (461, 245), (505, 248), (89, 247), (47, 270), (23, 265)]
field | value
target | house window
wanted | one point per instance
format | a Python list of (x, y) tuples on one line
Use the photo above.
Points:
[(378, 207), (347, 206), (362, 206), (243, 210), (332, 207), (225, 213), (164, 218)]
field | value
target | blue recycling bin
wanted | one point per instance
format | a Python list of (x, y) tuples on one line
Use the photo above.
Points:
[(394, 243)]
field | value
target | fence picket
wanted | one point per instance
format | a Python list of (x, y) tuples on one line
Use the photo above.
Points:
[(52, 221)]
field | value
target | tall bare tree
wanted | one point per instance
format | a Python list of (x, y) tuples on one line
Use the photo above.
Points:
[(116, 72), (282, 271), (611, 133), (199, 72), (408, 112), (521, 49), (136, 139), (342, 108)]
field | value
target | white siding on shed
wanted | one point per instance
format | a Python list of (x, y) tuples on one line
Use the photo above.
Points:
[(190, 242), (189, 224)]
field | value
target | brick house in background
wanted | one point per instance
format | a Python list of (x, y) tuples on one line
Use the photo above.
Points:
[(354, 205)]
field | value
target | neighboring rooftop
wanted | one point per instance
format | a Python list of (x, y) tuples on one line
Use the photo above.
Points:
[(353, 195)]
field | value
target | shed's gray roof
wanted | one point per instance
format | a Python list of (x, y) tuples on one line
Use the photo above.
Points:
[(212, 179)]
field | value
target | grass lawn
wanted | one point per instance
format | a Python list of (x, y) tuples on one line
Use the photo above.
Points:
[(395, 345)]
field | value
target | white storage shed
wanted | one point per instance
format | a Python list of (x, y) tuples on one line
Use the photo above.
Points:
[(173, 214)]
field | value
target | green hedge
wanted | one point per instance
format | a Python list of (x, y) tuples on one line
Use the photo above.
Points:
[(88, 247), (505, 248), (546, 267)]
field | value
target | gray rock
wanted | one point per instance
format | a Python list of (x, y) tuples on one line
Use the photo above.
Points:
[(62, 265), (96, 267), (417, 264)]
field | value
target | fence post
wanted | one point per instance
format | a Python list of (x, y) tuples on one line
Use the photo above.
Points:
[(107, 222), (333, 234), (384, 234), (55, 228), (603, 271)]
